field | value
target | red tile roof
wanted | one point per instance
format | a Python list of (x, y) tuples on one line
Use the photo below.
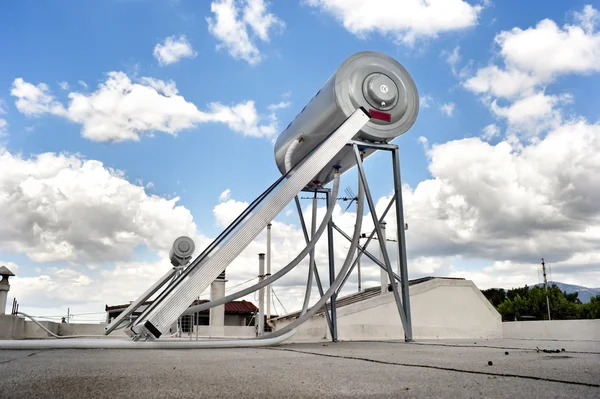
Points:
[(233, 307)]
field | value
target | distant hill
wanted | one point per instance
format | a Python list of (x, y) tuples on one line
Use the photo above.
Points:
[(584, 293)]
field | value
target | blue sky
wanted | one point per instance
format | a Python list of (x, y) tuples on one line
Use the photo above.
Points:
[(81, 42)]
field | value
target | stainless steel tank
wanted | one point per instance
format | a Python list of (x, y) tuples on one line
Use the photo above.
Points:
[(367, 79)]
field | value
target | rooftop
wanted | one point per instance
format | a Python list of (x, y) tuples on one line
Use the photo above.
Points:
[(448, 368)]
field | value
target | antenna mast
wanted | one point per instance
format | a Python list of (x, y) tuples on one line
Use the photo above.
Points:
[(546, 287)]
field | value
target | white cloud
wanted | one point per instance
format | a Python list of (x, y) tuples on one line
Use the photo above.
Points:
[(3, 127), (404, 20), (533, 58), (548, 51), (83, 84), (490, 131), (225, 195), (452, 58), (64, 85), (173, 49), (538, 55), (448, 108), (150, 185), (533, 114), (261, 21), (232, 31), (279, 105), (425, 101), (58, 207), (226, 211), (122, 110), (35, 100)]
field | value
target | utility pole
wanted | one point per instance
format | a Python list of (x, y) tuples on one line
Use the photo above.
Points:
[(546, 287)]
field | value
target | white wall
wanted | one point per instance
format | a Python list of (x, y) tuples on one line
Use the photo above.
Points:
[(224, 331), (11, 327), (441, 309), (455, 309), (577, 330)]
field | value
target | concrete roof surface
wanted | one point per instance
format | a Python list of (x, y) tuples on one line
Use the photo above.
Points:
[(448, 368)]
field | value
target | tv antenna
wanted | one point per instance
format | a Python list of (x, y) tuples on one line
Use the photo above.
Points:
[(350, 196)]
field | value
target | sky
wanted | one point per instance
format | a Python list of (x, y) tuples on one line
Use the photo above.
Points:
[(125, 124)]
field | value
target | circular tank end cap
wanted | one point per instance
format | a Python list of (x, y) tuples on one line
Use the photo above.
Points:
[(184, 246), (380, 91)]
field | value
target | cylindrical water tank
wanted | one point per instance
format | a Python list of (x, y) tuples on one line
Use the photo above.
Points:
[(181, 251), (367, 79)]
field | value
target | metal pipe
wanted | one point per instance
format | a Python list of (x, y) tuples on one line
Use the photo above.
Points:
[(365, 252), (400, 226), (382, 246), (363, 249), (383, 272), (330, 251), (268, 274), (311, 256), (261, 295), (317, 277)]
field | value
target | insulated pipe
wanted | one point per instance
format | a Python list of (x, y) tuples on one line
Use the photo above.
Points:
[(283, 271), (290, 152), (333, 287), (127, 344), (311, 262), (261, 295), (268, 274)]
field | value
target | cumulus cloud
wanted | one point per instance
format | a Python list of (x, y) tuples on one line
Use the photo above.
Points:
[(58, 207), (233, 31), (404, 20), (173, 49), (532, 59), (121, 109), (35, 100)]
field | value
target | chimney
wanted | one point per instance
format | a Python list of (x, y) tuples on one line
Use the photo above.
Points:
[(4, 287), (217, 314)]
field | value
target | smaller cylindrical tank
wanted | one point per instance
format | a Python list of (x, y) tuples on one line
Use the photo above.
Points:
[(367, 79), (182, 250)]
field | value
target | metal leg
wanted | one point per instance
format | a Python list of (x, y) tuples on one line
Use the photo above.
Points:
[(334, 336), (317, 277), (382, 245), (362, 249), (402, 245)]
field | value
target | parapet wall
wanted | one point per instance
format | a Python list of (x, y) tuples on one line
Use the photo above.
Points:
[(568, 330)]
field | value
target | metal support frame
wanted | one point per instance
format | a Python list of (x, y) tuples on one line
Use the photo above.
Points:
[(401, 242), (331, 320), (331, 253), (403, 304)]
